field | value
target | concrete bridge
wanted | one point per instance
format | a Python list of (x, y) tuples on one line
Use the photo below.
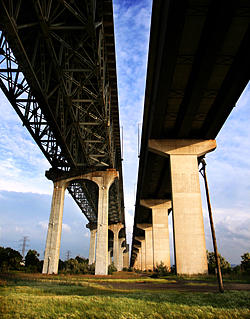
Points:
[(198, 66), (58, 70)]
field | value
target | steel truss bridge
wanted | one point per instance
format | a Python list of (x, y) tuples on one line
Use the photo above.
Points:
[(58, 71)]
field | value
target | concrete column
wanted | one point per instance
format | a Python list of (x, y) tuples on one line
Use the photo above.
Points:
[(120, 256), (52, 250), (109, 257), (149, 262), (104, 182), (161, 249), (92, 245), (143, 252), (139, 258), (126, 257), (143, 255), (116, 246), (136, 262), (189, 237)]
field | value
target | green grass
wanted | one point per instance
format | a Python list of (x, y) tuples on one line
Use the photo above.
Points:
[(80, 297)]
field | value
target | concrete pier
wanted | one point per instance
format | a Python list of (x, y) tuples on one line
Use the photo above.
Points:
[(120, 256), (103, 179), (52, 251), (115, 228), (92, 244), (161, 248), (143, 252), (104, 182), (149, 259), (189, 237), (126, 257)]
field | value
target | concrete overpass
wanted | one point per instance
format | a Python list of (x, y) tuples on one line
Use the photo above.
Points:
[(58, 70), (198, 66)]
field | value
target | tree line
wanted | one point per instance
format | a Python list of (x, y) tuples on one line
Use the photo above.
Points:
[(11, 259)]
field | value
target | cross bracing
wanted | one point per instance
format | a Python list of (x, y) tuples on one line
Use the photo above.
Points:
[(57, 68)]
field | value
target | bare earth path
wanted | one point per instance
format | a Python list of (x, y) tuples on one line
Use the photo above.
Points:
[(188, 286)]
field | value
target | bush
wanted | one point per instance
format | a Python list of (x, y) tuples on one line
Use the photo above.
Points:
[(111, 268), (162, 270), (75, 266)]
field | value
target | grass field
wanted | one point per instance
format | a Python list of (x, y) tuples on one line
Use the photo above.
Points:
[(40, 296)]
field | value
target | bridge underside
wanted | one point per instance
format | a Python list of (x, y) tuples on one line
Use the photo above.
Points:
[(198, 66)]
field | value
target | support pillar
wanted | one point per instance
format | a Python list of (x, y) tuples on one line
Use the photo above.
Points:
[(104, 182), (115, 228), (139, 259), (126, 257), (189, 236), (161, 248), (109, 257), (149, 262), (92, 243), (52, 250), (143, 252), (120, 256)]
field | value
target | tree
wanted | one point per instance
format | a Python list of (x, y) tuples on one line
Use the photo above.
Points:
[(9, 259), (224, 264), (32, 262), (245, 262)]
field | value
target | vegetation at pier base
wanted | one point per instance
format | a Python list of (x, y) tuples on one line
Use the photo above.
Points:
[(133, 296)]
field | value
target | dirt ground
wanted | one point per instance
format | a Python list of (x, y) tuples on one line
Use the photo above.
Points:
[(188, 286)]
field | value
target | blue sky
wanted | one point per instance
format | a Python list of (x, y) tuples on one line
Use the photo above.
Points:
[(25, 193)]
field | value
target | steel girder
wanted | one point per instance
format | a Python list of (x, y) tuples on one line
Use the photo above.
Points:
[(53, 70)]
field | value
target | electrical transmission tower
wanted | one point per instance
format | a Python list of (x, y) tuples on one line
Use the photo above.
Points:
[(24, 245)]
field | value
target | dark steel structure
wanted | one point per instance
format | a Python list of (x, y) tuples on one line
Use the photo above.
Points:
[(198, 66), (58, 70)]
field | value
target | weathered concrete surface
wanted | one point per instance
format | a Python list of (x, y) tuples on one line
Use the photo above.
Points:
[(115, 228), (52, 250), (103, 179), (92, 246), (189, 236), (143, 252), (161, 248), (149, 262), (126, 257), (104, 182), (120, 254), (182, 146)]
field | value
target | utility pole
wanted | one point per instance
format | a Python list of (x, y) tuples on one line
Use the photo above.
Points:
[(68, 254), (217, 259), (24, 244)]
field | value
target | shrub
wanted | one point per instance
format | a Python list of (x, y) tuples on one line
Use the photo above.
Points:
[(162, 270), (111, 268)]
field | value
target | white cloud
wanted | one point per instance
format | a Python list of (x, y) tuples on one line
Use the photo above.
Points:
[(66, 228), (19, 229)]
